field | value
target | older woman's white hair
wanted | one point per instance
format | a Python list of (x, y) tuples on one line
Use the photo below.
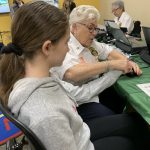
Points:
[(84, 13), (118, 4)]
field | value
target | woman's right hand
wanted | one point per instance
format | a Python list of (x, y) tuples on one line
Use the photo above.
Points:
[(123, 65)]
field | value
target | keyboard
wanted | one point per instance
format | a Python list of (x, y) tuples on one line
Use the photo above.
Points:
[(138, 50)]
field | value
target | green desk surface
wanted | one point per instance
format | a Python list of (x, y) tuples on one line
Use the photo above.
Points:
[(126, 87)]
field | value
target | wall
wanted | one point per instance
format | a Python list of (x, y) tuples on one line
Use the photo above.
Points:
[(95, 3), (5, 23), (136, 8), (5, 19)]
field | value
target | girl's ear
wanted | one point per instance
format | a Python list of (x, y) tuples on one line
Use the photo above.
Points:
[(46, 47)]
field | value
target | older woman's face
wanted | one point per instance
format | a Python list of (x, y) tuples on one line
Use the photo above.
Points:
[(85, 32), (117, 11)]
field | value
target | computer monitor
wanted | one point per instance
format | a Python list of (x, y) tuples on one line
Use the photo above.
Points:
[(4, 6), (146, 31), (145, 55)]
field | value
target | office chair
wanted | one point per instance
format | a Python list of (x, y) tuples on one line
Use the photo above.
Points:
[(32, 139), (137, 29)]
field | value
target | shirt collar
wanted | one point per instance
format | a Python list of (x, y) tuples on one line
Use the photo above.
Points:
[(76, 44), (122, 15)]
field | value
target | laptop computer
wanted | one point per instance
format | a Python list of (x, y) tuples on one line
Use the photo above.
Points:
[(127, 44), (109, 36), (107, 25), (106, 20), (124, 30), (145, 55)]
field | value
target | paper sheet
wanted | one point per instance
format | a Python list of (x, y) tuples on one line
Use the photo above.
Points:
[(145, 87)]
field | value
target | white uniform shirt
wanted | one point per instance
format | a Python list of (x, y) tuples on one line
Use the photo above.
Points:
[(87, 91), (125, 21)]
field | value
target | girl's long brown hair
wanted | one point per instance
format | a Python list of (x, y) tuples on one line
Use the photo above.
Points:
[(32, 25)]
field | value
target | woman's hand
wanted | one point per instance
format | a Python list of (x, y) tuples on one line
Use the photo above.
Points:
[(124, 65)]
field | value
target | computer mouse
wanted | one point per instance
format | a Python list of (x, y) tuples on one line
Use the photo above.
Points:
[(131, 74)]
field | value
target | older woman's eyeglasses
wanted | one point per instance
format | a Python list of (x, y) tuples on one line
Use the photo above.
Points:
[(114, 10), (90, 28)]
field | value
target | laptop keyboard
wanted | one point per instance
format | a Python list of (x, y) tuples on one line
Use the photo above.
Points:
[(138, 50)]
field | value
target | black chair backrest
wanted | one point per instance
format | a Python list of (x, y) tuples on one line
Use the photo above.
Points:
[(137, 29), (33, 139), (1, 45)]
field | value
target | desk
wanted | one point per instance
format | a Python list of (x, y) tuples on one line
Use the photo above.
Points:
[(126, 87)]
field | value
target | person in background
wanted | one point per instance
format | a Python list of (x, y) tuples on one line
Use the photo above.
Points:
[(68, 6), (89, 66), (123, 19), (16, 4), (36, 98)]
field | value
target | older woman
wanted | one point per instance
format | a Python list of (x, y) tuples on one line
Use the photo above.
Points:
[(123, 19), (91, 65)]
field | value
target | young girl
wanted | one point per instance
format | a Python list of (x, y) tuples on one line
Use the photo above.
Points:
[(40, 33)]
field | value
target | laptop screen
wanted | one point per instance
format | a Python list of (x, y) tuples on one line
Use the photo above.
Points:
[(106, 22), (146, 31), (117, 33), (108, 27), (124, 30), (145, 55)]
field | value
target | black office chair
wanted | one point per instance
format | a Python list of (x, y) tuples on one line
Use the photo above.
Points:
[(137, 29), (1, 45), (32, 139)]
